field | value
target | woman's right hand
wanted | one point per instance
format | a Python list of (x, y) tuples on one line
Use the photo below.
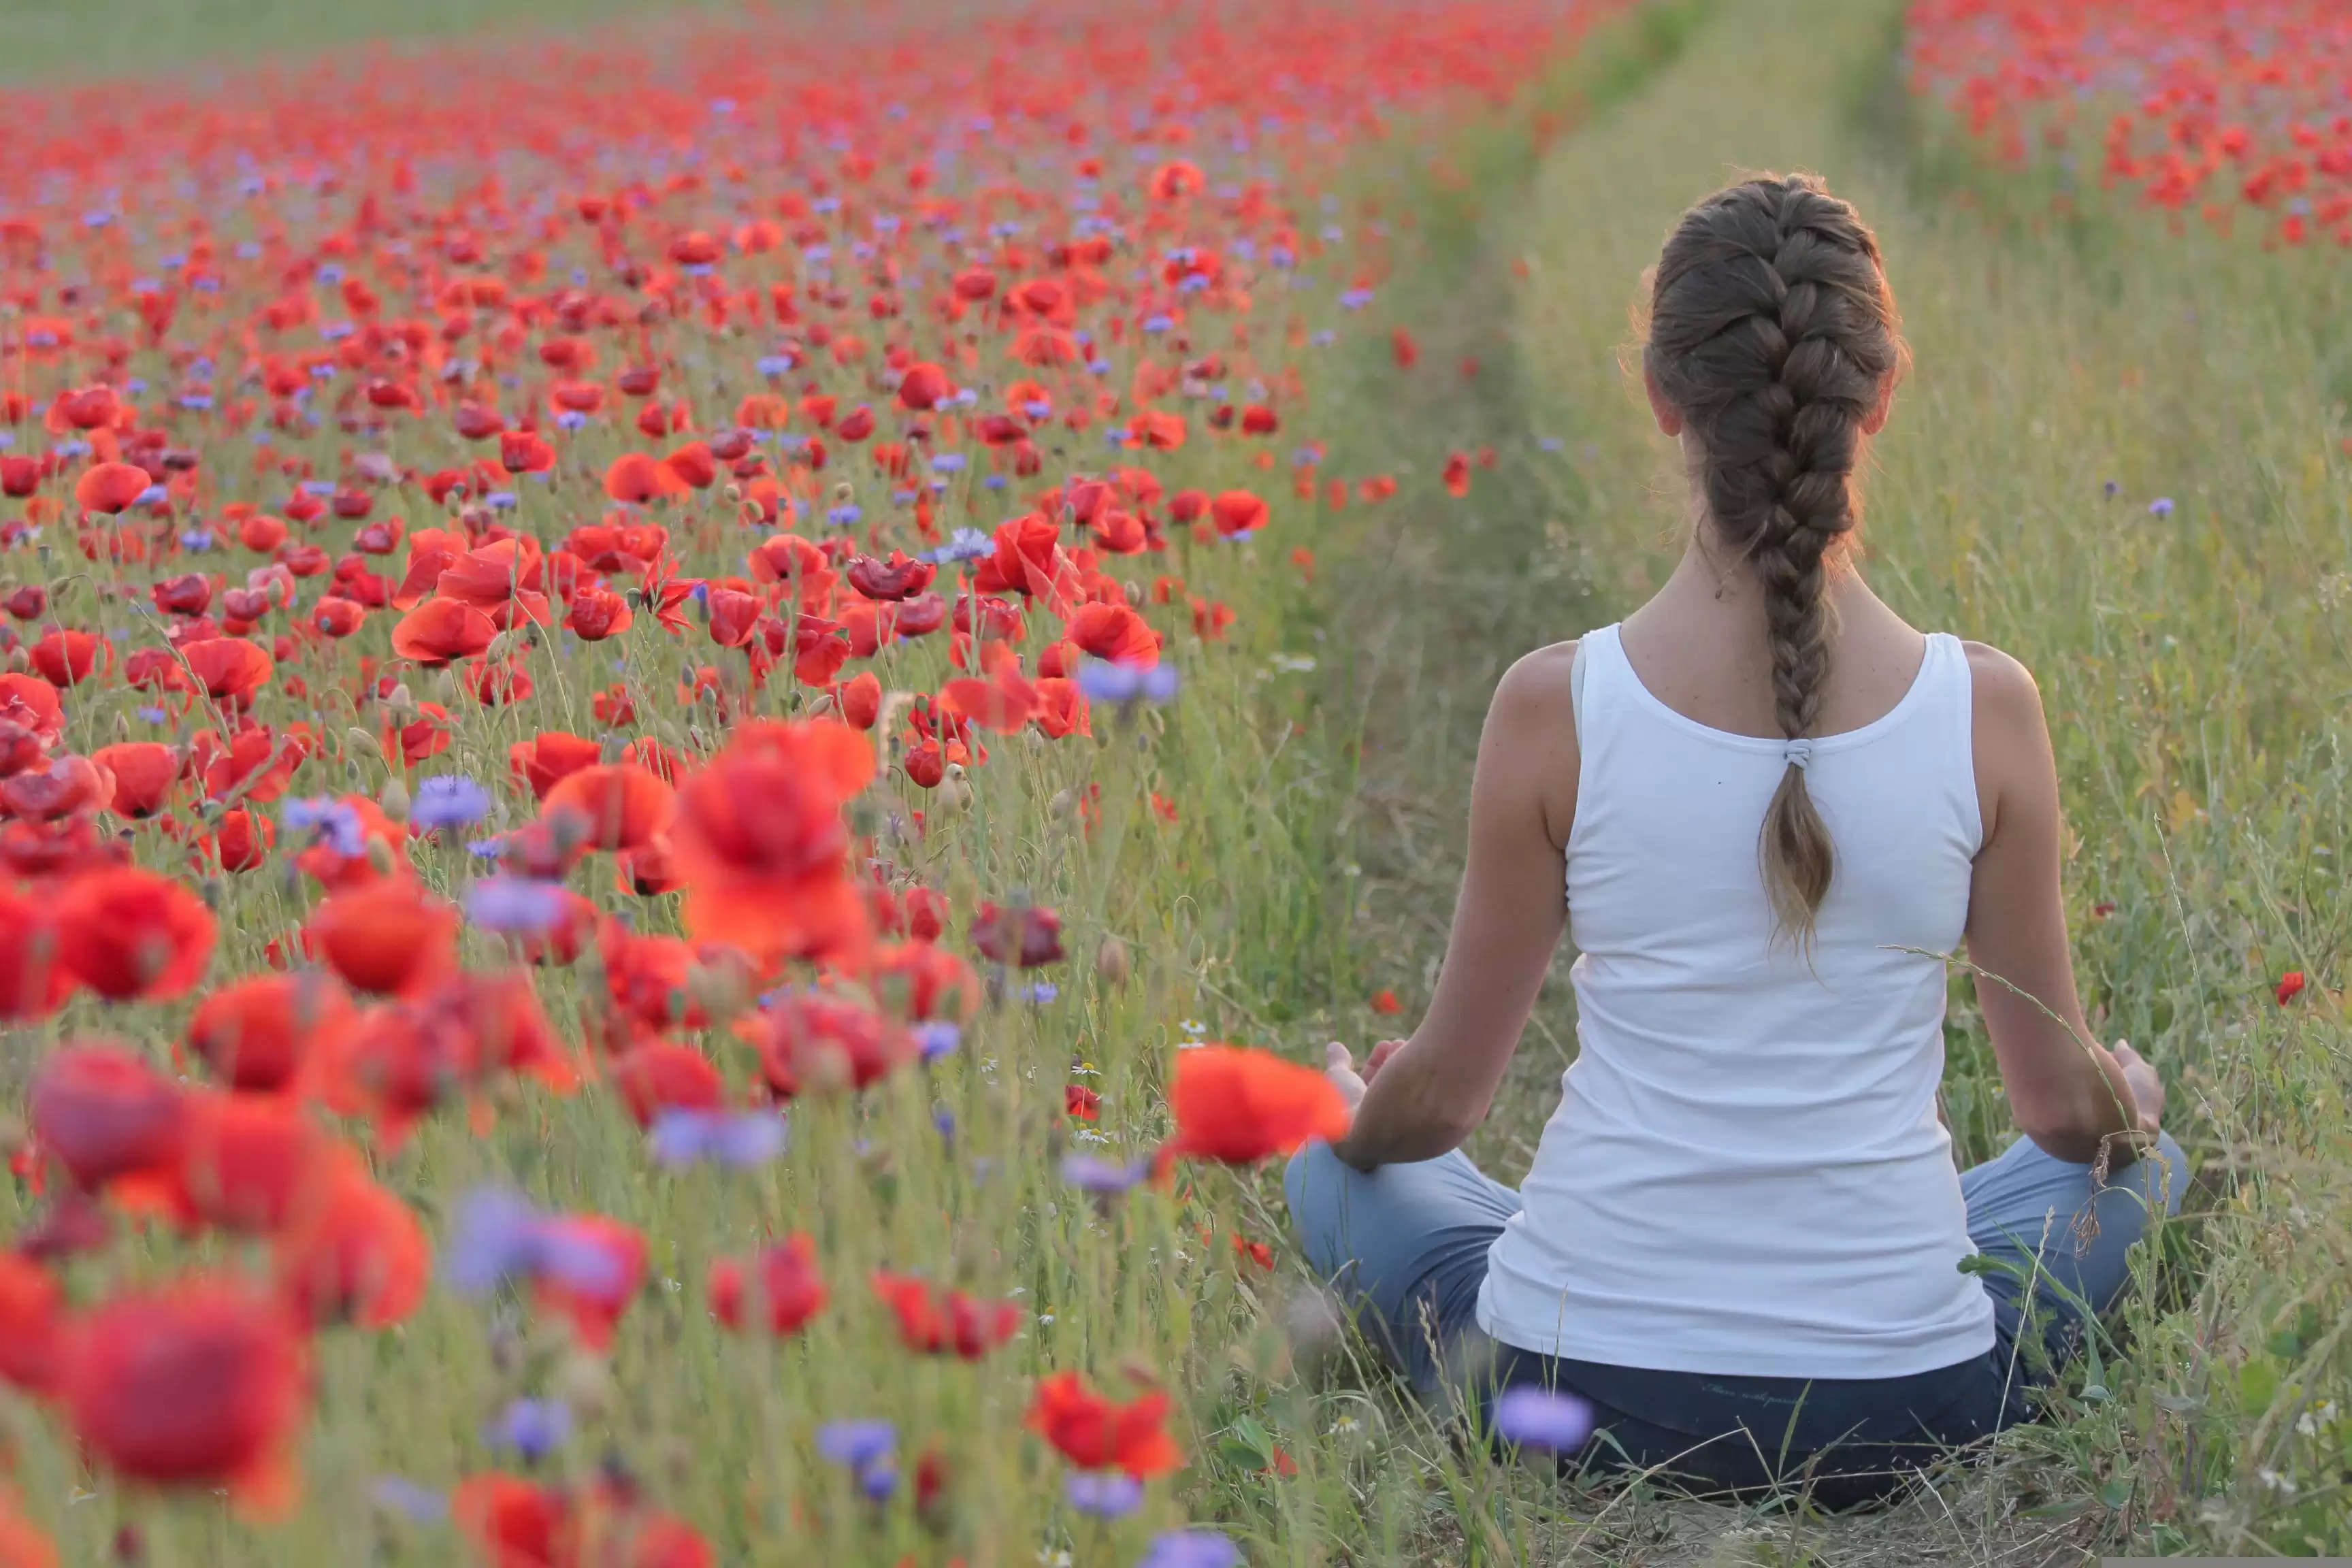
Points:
[(1379, 1058), (2147, 1089)]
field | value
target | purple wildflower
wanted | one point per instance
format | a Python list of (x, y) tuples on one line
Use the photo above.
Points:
[(935, 1037), (410, 1498), (1191, 1549), (1105, 1494), (533, 1428), (1091, 1173), (500, 1235), (514, 904), (2160, 507), (736, 1138), (1541, 1419)]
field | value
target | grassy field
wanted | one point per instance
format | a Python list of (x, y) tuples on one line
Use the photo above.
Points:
[(2193, 664), (2069, 373)]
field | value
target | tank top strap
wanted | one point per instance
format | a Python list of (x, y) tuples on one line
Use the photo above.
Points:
[(1952, 694)]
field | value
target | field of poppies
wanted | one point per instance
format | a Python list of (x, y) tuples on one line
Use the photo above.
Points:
[(651, 856)]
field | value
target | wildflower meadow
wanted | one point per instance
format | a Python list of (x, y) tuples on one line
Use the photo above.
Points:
[(703, 710)]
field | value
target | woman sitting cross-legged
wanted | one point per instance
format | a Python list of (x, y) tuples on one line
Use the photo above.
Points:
[(1763, 806)]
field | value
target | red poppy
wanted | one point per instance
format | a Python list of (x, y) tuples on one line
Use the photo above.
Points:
[(256, 1032), (144, 774), (1237, 512), (593, 1306), (662, 1075), (125, 933), (388, 936), (65, 656), (760, 842), (1099, 1433), (515, 1523), (31, 707), (241, 839), (926, 982), (546, 759), (1025, 936), (781, 1283), (442, 631), (809, 1042), (353, 1254), (110, 487), (64, 786), (923, 386), (34, 979), (597, 613), (1116, 633), (245, 1162), (230, 669), (1079, 1103), (1240, 1106), (32, 1311), (897, 578), (946, 1322), (619, 805), (2290, 986), (639, 476), (102, 1113), (200, 1382), (1384, 1001)]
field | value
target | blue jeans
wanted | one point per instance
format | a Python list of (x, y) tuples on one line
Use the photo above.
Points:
[(1406, 1246)]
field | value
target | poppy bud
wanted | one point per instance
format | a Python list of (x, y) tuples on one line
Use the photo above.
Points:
[(379, 854), (954, 794), (844, 493), (733, 495), (400, 700), (1111, 962), (364, 740), (502, 647), (394, 801), (584, 1382), (719, 990), (1063, 802)]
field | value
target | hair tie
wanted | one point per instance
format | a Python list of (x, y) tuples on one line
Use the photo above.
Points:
[(1798, 753)]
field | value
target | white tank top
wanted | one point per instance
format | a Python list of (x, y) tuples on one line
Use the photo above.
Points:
[(1746, 1175)]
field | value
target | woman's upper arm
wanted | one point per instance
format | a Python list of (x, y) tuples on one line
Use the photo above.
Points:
[(1514, 901), (2017, 917)]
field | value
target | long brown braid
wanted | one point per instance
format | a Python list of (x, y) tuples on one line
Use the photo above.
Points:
[(1773, 333)]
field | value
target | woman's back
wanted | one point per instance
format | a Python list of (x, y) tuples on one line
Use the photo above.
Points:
[(1745, 1107)]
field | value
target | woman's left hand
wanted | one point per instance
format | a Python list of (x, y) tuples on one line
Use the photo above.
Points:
[(1339, 1067)]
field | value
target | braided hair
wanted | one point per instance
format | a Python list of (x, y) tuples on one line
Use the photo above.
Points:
[(1772, 332)]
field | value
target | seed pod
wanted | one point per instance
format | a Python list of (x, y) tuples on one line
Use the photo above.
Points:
[(1111, 962), (395, 801)]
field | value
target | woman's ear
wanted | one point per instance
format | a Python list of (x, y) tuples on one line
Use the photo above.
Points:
[(1669, 417)]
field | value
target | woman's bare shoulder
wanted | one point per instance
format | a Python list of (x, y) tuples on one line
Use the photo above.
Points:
[(1539, 686), (2005, 690)]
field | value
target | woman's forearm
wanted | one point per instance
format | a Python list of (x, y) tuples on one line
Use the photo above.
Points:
[(1406, 1114)]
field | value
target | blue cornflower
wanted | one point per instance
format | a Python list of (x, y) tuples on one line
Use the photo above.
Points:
[(1091, 1173), (500, 1235), (514, 905), (2160, 507), (449, 800), (737, 1138), (1191, 1549), (1105, 1494), (935, 1037), (335, 823), (410, 1498), (1102, 681), (198, 540), (533, 1428), (1541, 1419)]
